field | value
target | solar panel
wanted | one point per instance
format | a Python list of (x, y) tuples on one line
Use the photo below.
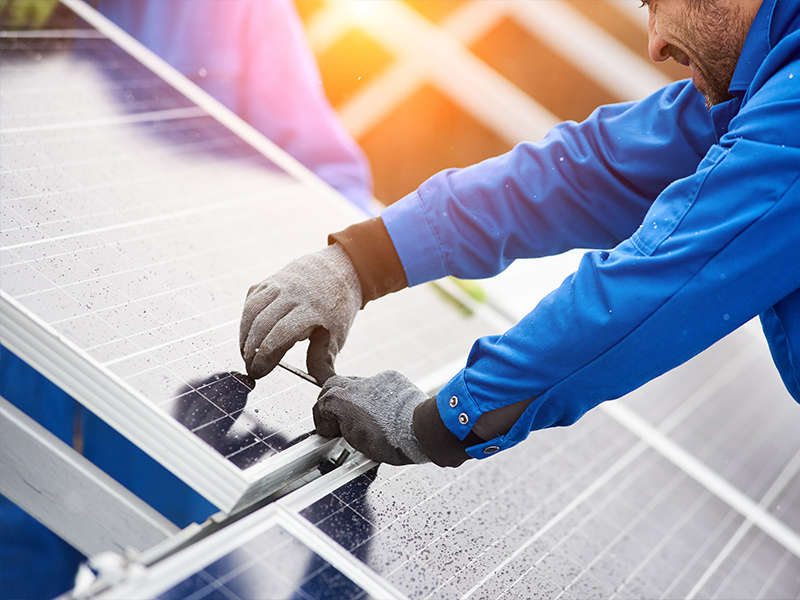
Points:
[(133, 223), (589, 511)]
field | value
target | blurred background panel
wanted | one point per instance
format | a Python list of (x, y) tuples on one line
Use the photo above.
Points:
[(425, 85)]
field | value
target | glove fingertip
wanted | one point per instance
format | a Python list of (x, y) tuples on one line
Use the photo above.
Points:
[(326, 426), (320, 357), (261, 365), (321, 372), (252, 290)]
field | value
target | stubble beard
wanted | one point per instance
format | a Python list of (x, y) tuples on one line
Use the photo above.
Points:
[(715, 33)]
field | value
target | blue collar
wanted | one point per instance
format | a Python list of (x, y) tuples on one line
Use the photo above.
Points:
[(755, 50), (775, 20)]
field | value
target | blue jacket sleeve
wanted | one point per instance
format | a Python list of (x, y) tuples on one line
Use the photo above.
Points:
[(585, 185), (716, 248)]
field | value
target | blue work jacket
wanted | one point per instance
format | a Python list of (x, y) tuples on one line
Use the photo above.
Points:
[(695, 221)]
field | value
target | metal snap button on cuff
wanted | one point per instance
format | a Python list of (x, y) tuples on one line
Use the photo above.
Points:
[(491, 449), (453, 402), (463, 418)]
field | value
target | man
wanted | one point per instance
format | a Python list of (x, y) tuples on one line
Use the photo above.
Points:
[(691, 199)]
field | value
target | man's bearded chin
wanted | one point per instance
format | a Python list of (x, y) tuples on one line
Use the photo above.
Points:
[(716, 83)]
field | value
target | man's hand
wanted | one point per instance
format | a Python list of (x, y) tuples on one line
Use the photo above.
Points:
[(315, 297), (374, 415)]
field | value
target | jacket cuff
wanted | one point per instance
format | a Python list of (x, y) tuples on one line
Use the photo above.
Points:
[(369, 246), (439, 443)]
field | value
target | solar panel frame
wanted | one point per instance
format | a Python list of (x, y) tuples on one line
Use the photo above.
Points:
[(252, 539)]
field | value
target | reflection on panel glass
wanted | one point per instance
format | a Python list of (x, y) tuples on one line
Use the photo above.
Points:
[(346, 515), (214, 409), (274, 565)]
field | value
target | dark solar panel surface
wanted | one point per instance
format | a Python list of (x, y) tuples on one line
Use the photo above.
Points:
[(274, 565), (588, 511), (591, 511)]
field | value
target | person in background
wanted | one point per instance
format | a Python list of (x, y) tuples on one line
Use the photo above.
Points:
[(690, 198), (252, 56)]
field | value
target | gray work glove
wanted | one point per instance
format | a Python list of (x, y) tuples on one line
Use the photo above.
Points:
[(374, 415), (315, 297)]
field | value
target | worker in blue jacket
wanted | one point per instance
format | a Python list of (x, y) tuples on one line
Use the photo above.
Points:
[(690, 199)]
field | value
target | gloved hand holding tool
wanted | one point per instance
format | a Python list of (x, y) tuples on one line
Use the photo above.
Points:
[(374, 414), (315, 297)]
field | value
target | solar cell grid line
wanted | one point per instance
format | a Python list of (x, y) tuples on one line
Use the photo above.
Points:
[(125, 237), (771, 588), (711, 480), (553, 561), (789, 471), (569, 513), (419, 514), (638, 531), (762, 565), (749, 450)]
